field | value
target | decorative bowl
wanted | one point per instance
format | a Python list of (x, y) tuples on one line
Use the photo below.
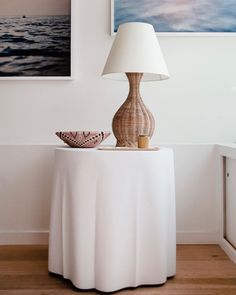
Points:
[(83, 139)]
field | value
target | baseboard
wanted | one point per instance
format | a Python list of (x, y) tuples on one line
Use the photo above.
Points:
[(197, 237), (228, 249), (23, 237), (41, 237)]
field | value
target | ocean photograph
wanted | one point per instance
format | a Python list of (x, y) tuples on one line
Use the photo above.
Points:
[(35, 38), (178, 15)]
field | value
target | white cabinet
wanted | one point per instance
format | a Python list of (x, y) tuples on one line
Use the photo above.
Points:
[(226, 187), (230, 201)]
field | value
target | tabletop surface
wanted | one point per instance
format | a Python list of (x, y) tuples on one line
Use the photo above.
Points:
[(112, 149)]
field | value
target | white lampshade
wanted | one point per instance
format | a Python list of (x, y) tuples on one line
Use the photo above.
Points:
[(136, 50)]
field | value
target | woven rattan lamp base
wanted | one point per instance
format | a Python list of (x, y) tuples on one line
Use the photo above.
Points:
[(133, 118)]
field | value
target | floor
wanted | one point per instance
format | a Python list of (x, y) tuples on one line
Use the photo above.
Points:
[(201, 270)]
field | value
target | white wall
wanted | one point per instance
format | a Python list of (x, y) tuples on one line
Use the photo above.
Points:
[(196, 201), (196, 105), (25, 189)]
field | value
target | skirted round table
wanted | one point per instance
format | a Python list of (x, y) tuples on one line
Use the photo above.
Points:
[(113, 218)]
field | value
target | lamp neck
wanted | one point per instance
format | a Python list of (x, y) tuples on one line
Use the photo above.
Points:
[(134, 84)]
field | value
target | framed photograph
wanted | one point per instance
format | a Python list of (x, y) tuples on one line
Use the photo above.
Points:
[(35, 39), (178, 17)]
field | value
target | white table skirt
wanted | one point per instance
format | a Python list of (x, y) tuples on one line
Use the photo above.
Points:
[(113, 218)]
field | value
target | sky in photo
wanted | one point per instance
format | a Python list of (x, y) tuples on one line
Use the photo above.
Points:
[(179, 15), (34, 7)]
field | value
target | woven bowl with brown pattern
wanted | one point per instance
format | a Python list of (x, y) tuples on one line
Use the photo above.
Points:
[(83, 139)]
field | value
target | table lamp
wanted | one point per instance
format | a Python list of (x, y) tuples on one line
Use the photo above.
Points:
[(135, 54)]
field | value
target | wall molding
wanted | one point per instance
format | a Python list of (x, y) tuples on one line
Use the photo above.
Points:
[(24, 237), (41, 237), (197, 237)]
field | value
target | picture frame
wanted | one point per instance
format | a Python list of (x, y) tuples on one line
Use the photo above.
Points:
[(56, 67), (115, 23)]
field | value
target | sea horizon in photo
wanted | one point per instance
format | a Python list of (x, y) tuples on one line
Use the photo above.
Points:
[(35, 45), (178, 15)]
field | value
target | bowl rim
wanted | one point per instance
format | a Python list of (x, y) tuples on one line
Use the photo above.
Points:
[(83, 131)]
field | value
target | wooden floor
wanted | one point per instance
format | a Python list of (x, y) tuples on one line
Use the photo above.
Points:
[(201, 270)]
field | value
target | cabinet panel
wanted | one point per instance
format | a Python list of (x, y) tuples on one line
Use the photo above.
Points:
[(230, 201)]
